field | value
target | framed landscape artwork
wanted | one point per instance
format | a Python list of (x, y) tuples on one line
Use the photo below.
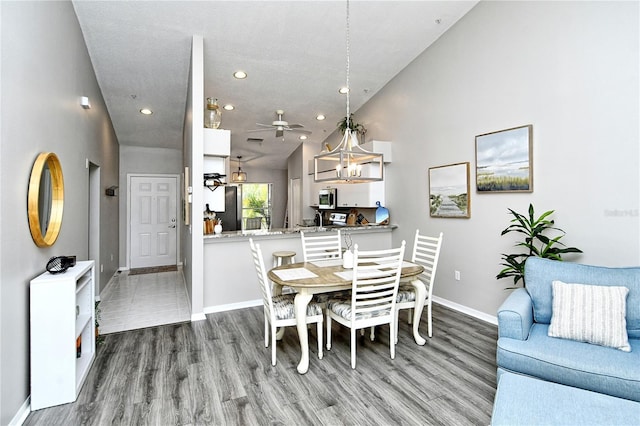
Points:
[(504, 162), (449, 191)]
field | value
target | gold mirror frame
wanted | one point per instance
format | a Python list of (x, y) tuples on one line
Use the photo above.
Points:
[(50, 160)]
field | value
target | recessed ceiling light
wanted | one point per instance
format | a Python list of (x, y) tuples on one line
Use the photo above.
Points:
[(229, 107), (146, 111), (240, 75), (343, 90), (320, 117), (303, 137)]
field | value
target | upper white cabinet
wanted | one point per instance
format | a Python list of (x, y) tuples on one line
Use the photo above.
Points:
[(360, 194), (217, 142)]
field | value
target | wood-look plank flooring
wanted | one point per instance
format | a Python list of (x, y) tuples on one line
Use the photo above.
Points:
[(218, 372)]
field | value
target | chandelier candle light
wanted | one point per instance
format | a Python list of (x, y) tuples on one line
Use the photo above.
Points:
[(351, 162)]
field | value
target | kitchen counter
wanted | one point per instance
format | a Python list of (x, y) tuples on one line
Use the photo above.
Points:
[(259, 234)]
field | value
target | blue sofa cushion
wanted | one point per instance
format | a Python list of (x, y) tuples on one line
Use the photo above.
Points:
[(540, 273), (592, 367), (522, 400)]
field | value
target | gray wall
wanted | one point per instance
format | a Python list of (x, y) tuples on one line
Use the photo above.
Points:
[(568, 68), (45, 71)]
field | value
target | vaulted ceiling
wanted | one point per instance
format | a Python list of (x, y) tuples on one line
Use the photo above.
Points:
[(294, 53)]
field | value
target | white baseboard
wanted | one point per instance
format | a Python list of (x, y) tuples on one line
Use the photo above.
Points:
[(22, 413), (251, 303), (466, 310), (233, 306), (198, 317)]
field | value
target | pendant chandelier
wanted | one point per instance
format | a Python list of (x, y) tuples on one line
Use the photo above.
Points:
[(348, 162), (239, 176)]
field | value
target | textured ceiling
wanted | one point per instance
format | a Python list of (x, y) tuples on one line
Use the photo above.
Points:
[(294, 53)]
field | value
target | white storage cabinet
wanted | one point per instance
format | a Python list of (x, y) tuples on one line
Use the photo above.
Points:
[(62, 310)]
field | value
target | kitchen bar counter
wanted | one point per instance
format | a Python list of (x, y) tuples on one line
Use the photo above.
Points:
[(259, 234), (230, 280)]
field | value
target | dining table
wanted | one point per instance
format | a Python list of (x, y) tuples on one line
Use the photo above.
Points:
[(324, 276)]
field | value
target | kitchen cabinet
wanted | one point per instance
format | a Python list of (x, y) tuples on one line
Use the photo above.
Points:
[(360, 194), (217, 142), (63, 340)]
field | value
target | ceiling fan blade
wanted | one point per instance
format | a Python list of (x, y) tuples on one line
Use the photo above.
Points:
[(279, 133), (265, 125), (296, 126), (257, 130)]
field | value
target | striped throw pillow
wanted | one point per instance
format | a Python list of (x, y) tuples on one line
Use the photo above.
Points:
[(590, 313)]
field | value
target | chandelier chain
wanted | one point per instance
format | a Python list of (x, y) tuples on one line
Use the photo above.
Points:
[(348, 69)]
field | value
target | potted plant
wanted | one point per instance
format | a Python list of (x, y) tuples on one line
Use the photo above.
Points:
[(536, 243), (358, 128)]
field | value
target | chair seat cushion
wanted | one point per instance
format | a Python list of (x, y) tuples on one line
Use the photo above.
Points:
[(325, 297), (406, 293), (283, 307), (342, 307)]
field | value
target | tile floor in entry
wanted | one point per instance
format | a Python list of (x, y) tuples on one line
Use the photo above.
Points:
[(140, 301)]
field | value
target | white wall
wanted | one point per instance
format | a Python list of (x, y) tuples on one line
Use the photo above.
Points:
[(570, 69), (136, 159), (45, 70)]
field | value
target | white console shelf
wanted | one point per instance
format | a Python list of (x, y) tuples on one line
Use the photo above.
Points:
[(62, 311)]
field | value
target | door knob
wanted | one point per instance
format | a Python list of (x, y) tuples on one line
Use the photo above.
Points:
[(172, 226)]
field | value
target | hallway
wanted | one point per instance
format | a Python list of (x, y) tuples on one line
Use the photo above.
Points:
[(131, 302)]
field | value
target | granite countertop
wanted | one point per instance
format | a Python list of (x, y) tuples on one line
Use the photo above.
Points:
[(226, 235)]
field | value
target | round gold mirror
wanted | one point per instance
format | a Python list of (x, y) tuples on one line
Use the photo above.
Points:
[(45, 200)]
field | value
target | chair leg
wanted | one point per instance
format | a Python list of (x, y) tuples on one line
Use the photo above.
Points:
[(429, 318), (273, 346), (372, 335), (410, 315), (266, 331), (392, 340), (328, 333), (353, 348), (319, 331), (396, 324)]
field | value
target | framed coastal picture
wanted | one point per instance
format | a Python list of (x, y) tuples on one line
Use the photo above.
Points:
[(449, 191), (504, 162)]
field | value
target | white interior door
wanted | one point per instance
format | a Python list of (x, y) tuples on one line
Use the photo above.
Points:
[(153, 222)]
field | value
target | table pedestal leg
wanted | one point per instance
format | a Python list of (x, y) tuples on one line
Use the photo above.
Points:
[(421, 294), (300, 303)]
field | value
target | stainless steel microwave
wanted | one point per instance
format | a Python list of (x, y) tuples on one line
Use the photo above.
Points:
[(327, 198)]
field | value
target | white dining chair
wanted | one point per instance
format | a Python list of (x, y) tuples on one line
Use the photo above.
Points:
[(322, 245), (279, 310), (426, 251), (376, 276)]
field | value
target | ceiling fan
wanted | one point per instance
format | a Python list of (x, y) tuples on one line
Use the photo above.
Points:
[(281, 126)]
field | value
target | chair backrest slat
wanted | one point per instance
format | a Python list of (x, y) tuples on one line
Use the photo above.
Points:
[(321, 246), (261, 272), (426, 252), (376, 275)]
